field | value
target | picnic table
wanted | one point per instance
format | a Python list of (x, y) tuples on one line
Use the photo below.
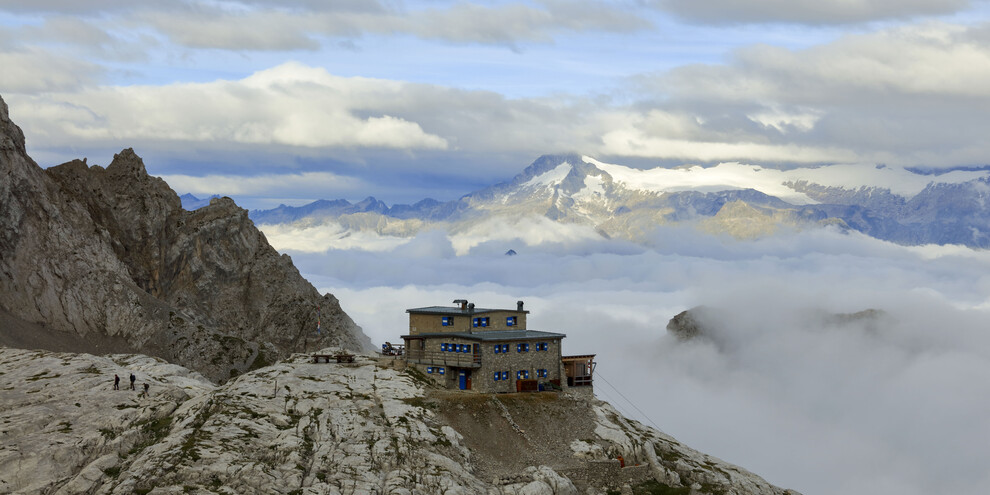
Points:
[(340, 357)]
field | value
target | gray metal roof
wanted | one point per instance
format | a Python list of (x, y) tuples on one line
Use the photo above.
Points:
[(492, 336), (454, 311)]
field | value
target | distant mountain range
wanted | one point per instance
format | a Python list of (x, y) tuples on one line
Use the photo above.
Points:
[(572, 195)]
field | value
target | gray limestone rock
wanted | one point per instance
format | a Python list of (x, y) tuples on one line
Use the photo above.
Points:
[(301, 427), (106, 258)]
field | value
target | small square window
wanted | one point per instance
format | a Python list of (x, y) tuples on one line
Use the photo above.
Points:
[(505, 375), (429, 369), (510, 321), (441, 370), (498, 376), (475, 322), (484, 321), (447, 321), (498, 349)]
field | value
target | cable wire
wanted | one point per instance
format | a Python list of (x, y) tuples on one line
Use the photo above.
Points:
[(599, 373)]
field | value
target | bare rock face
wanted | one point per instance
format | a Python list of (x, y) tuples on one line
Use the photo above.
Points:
[(300, 427), (109, 259)]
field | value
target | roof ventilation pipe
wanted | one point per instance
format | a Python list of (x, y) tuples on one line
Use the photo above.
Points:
[(470, 307), (519, 305)]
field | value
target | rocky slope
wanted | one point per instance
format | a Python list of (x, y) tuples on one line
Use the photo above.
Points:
[(106, 259), (299, 427)]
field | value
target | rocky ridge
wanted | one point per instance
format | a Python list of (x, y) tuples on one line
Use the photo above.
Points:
[(106, 260), (299, 427)]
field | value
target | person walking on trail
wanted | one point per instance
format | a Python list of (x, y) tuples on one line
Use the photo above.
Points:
[(116, 382), (146, 389), (132, 380)]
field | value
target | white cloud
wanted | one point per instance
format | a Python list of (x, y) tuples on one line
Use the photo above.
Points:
[(807, 12), (290, 105), (311, 183), (32, 70), (893, 406), (278, 26), (912, 95)]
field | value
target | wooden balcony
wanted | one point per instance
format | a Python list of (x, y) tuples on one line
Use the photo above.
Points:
[(441, 358)]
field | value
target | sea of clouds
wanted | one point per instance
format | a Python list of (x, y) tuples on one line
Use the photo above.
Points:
[(897, 404)]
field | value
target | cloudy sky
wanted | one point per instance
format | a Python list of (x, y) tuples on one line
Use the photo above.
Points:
[(297, 100)]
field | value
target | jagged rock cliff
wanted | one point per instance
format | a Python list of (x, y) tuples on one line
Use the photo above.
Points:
[(299, 427), (107, 260)]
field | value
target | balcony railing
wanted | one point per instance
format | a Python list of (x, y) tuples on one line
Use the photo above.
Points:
[(441, 358)]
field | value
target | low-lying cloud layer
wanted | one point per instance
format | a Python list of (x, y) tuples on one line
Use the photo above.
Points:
[(894, 404)]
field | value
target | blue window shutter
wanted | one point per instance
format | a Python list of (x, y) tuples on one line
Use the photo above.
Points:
[(429, 369)]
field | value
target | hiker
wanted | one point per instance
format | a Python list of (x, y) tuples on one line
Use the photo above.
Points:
[(132, 380), (116, 382), (146, 389)]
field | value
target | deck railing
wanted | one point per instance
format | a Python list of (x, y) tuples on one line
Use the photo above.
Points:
[(441, 358)]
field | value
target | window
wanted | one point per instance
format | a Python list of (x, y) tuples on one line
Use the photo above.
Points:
[(441, 370), (522, 374), (505, 375), (475, 322), (447, 321), (429, 369), (443, 347), (498, 348), (505, 348), (510, 321), (498, 375), (542, 346), (484, 321), (522, 347), (460, 348), (541, 373)]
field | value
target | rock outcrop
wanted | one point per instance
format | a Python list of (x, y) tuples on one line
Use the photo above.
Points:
[(299, 427), (107, 259)]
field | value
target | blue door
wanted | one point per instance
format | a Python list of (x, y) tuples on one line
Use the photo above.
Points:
[(463, 379)]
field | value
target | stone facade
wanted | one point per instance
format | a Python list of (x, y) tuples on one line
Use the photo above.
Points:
[(486, 350), (426, 321)]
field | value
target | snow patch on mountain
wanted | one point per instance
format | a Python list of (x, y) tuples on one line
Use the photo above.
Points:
[(773, 182), (551, 178)]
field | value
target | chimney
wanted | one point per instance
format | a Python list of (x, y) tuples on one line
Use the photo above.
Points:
[(519, 305), (471, 307), (462, 302)]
